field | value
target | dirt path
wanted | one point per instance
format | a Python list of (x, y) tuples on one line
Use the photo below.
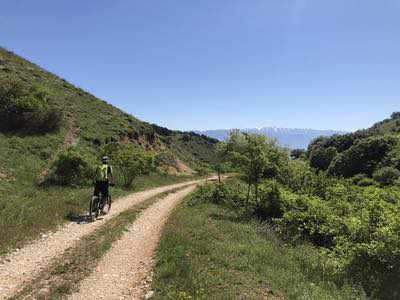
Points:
[(125, 271), (25, 264)]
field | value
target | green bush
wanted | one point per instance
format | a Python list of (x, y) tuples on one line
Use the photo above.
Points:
[(268, 203), (298, 154), (70, 168), (321, 158), (26, 108), (130, 161), (387, 175), (366, 182), (306, 218), (164, 159)]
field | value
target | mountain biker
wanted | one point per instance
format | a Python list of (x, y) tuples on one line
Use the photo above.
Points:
[(103, 178)]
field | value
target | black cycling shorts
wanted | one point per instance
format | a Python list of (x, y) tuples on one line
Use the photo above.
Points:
[(101, 187)]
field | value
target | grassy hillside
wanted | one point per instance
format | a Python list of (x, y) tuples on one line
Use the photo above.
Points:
[(85, 124)]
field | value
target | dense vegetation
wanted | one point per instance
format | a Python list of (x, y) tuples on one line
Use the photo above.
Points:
[(361, 153), (52, 135), (212, 251), (342, 197)]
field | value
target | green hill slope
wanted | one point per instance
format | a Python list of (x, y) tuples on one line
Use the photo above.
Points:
[(86, 124), (363, 153)]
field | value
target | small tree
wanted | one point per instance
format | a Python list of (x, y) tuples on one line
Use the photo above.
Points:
[(256, 156), (131, 161)]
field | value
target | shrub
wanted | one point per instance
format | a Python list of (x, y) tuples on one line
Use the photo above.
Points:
[(202, 170), (231, 193), (26, 108), (71, 168), (387, 175), (268, 203), (306, 218), (164, 159), (298, 154), (210, 193), (366, 182), (321, 158), (362, 180)]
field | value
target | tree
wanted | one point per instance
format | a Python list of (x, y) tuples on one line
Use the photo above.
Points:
[(131, 161), (320, 158), (255, 156), (363, 157), (395, 115), (298, 154)]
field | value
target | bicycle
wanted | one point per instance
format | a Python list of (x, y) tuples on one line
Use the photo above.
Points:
[(99, 205)]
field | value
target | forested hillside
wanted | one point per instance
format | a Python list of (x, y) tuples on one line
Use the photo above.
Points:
[(373, 152), (52, 135)]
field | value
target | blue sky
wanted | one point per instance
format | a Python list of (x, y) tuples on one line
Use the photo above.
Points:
[(210, 64)]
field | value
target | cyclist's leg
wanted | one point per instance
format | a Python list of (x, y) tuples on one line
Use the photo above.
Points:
[(97, 189), (104, 193), (106, 190), (96, 194)]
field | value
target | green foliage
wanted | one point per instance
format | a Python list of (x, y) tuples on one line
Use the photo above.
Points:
[(202, 169), (256, 156), (298, 154), (354, 228), (26, 108), (363, 157), (362, 180), (306, 218), (218, 194), (70, 169), (386, 175), (268, 201), (360, 152), (212, 251), (164, 159), (130, 161), (321, 158)]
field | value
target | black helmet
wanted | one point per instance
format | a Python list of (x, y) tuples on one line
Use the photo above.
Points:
[(105, 159)]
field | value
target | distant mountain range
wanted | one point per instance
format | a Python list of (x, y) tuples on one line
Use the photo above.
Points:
[(292, 138)]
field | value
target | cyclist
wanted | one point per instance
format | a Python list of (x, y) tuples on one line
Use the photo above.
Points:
[(103, 179)]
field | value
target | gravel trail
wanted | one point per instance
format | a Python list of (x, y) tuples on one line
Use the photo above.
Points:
[(23, 265), (125, 271)]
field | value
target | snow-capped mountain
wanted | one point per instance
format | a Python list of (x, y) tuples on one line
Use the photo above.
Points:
[(293, 138)]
